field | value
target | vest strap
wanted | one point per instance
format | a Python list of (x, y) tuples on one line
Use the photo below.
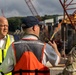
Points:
[(2, 60), (2, 52), (2, 55), (2, 73), (36, 71)]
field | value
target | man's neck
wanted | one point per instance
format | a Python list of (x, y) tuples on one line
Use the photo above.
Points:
[(1, 37)]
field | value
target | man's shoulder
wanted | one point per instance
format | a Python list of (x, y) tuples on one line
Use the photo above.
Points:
[(11, 37)]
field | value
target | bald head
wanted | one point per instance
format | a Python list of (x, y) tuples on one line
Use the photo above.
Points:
[(3, 26), (2, 19)]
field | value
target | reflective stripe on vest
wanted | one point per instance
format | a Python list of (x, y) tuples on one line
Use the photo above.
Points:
[(4, 51), (19, 46)]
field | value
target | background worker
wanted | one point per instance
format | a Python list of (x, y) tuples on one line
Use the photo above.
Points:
[(31, 27), (5, 39)]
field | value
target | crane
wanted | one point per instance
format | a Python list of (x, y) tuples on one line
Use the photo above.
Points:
[(32, 9), (69, 5), (2, 13)]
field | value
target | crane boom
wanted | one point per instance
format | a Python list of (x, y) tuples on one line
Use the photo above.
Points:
[(31, 7), (2, 13), (68, 5)]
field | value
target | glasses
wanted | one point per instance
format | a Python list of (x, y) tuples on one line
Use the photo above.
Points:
[(3, 25)]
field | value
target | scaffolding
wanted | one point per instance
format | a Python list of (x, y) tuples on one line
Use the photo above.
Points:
[(69, 17), (69, 5)]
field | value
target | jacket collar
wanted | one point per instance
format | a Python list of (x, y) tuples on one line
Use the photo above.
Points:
[(30, 37)]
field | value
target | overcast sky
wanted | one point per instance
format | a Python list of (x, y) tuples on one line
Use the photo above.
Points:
[(12, 8)]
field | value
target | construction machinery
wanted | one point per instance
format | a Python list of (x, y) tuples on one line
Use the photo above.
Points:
[(69, 5), (69, 19), (2, 13), (69, 9), (32, 9)]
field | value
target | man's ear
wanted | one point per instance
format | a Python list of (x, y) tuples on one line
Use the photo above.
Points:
[(34, 27)]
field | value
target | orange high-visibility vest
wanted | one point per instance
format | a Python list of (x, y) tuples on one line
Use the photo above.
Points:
[(27, 62)]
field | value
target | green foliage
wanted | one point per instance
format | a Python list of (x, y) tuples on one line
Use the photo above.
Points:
[(14, 23)]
